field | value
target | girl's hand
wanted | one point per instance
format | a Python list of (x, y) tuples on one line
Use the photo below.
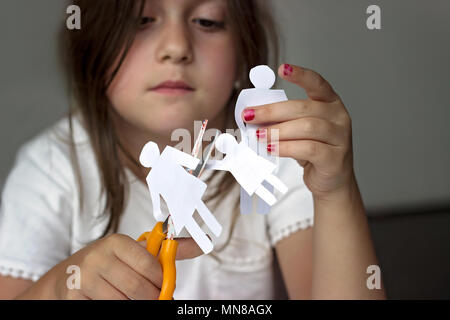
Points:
[(316, 132), (114, 267)]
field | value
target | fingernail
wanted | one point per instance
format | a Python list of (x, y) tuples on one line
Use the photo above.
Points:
[(261, 133), (288, 69), (249, 114), (271, 147)]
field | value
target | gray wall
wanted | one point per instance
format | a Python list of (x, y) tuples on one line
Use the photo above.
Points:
[(32, 94)]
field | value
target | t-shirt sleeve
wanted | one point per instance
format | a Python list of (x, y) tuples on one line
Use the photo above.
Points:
[(35, 212), (294, 210)]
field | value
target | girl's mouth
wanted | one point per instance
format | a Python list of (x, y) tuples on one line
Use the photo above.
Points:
[(172, 88)]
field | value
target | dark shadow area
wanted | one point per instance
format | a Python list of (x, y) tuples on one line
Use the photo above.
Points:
[(413, 248)]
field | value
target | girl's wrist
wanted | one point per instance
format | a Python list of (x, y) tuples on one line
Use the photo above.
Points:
[(346, 196), (43, 289)]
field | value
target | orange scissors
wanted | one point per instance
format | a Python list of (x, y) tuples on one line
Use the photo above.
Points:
[(158, 241), (161, 238)]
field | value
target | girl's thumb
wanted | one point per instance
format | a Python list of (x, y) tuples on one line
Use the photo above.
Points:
[(187, 248)]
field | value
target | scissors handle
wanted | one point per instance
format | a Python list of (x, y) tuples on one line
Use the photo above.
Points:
[(155, 241), (167, 261)]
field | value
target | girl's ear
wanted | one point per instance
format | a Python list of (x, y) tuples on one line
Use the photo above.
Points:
[(149, 154), (225, 143)]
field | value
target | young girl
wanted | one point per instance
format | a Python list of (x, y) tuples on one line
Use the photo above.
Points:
[(139, 70)]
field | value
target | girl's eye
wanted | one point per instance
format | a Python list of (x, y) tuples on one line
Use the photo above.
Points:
[(209, 24), (146, 20)]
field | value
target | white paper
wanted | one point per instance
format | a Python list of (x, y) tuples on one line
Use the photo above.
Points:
[(263, 78), (249, 169), (181, 191)]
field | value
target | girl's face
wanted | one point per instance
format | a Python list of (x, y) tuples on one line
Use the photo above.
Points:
[(180, 68)]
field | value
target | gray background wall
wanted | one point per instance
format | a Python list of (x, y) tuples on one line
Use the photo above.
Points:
[(394, 81)]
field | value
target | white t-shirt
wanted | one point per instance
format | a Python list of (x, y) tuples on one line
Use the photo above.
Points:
[(42, 223)]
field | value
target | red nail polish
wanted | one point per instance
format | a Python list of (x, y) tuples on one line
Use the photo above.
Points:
[(270, 147), (249, 114), (288, 70), (261, 133)]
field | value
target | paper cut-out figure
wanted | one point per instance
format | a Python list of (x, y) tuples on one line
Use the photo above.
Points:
[(263, 78), (182, 192), (249, 169)]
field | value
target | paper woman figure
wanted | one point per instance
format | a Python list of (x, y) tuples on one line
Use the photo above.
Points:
[(249, 169), (182, 192), (263, 78)]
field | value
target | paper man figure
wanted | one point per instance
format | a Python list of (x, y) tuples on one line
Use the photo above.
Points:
[(263, 78), (182, 192), (249, 169)]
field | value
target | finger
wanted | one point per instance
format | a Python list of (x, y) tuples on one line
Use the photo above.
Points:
[(82, 296), (137, 258), (319, 154), (76, 294), (288, 110), (129, 282), (303, 163), (143, 243), (187, 249), (316, 87), (303, 129), (101, 289)]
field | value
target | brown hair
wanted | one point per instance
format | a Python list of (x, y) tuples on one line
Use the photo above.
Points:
[(88, 55)]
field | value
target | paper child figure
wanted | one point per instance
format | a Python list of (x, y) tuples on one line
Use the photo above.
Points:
[(182, 192), (249, 169), (263, 78)]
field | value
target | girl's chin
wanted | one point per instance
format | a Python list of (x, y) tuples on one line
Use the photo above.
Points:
[(166, 127)]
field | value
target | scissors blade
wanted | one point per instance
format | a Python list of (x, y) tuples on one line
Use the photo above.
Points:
[(205, 156), (165, 224)]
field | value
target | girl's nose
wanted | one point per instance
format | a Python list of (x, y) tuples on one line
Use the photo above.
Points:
[(175, 44)]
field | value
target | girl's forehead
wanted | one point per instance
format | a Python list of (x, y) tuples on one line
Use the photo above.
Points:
[(185, 4)]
